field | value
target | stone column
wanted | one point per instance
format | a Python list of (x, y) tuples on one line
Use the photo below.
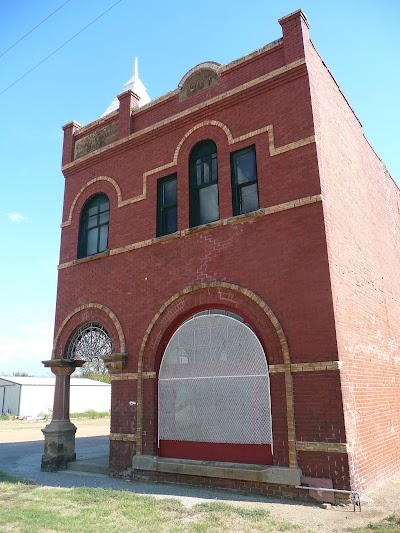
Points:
[(59, 435)]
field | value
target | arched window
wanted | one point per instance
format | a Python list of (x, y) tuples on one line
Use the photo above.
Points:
[(89, 343), (214, 397), (93, 229), (203, 186)]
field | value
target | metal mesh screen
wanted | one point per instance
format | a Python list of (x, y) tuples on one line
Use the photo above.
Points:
[(214, 384)]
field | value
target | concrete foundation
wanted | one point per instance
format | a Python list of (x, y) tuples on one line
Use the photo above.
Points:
[(244, 472)]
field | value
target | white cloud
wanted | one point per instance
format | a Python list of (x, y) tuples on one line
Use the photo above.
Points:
[(16, 217)]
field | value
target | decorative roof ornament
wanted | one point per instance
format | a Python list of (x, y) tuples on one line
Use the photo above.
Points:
[(136, 86)]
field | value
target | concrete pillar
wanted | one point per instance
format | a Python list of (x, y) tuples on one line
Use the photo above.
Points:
[(59, 435)]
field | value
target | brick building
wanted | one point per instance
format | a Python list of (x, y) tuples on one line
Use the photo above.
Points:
[(232, 250)]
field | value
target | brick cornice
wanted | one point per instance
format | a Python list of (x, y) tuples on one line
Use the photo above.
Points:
[(250, 88)]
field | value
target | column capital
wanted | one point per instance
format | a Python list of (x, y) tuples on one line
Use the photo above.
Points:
[(115, 361), (63, 367)]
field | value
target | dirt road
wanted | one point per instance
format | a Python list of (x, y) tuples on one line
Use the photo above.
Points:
[(23, 431)]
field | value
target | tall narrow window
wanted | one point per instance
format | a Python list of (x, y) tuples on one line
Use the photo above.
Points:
[(244, 181), (203, 173), (166, 206), (93, 229)]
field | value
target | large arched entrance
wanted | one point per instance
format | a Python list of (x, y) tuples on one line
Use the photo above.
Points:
[(214, 394)]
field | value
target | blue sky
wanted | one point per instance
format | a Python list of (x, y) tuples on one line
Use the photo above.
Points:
[(359, 41)]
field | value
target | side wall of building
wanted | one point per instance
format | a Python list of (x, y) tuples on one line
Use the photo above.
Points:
[(362, 214)]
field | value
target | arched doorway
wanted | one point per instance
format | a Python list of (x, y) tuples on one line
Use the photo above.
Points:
[(213, 392)]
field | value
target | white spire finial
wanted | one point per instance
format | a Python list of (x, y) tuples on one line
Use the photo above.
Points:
[(135, 85)]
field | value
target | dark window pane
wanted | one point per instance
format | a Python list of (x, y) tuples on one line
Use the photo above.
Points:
[(104, 206), (103, 238), (206, 171), (198, 172), (103, 218), (171, 220), (92, 222), (92, 211), (246, 167), (249, 198), (203, 175), (91, 247), (93, 231), (214, 168), (166, 206), (208, 204), (170, 192), (244, 181)]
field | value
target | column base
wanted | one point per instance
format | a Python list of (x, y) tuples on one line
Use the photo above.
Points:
[(59, 445)]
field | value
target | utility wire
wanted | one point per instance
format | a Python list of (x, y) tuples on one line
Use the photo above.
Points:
[(33, 29), (59, 48)]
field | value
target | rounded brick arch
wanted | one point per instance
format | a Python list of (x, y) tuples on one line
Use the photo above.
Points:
[(90, 312), (234, 298), (220, 296), (101, 184), (207, 129)]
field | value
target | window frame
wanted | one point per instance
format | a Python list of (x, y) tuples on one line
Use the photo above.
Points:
[(95, 200), (237, 188), (205, 151), (164, 208)]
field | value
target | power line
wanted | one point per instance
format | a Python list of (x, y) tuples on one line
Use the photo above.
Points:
[(33, 29), (59, 48)]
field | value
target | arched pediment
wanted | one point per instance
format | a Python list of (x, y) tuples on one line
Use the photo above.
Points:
[(198, 78)]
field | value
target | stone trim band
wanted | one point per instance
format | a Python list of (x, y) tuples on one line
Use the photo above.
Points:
[(307, 367), (273, 151), (273, 369), (325, 447), (223, 222), (127, 437)]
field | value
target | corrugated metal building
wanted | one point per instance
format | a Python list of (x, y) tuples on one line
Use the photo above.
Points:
[(31, 396)]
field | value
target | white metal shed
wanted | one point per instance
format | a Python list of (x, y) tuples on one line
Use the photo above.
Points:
[(31, 396)]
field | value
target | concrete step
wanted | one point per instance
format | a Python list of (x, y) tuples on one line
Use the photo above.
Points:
[(95, 465)]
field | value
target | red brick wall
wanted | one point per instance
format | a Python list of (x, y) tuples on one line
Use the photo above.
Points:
[(361, 210), (282, 257)]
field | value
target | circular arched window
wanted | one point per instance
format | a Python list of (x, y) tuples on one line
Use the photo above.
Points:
[(90, 342)]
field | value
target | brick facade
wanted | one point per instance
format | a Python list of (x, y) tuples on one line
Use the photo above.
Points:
[(305, 271)]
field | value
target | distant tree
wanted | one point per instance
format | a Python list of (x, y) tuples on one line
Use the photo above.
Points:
[(22, 374), (94, 371)]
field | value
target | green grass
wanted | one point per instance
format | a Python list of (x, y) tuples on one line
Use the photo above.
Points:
[(25, 507), (36, 509), (91, 413), (388, 525)]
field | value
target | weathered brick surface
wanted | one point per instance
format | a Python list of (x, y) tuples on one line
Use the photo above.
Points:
[(361, 211), (309, 278)]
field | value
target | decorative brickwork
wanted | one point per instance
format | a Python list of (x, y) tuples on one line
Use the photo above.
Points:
[(170, 166), (232, 220), (310, 270), (85, 313)]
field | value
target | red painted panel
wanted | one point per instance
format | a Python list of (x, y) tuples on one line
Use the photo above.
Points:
[(260, 454)]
